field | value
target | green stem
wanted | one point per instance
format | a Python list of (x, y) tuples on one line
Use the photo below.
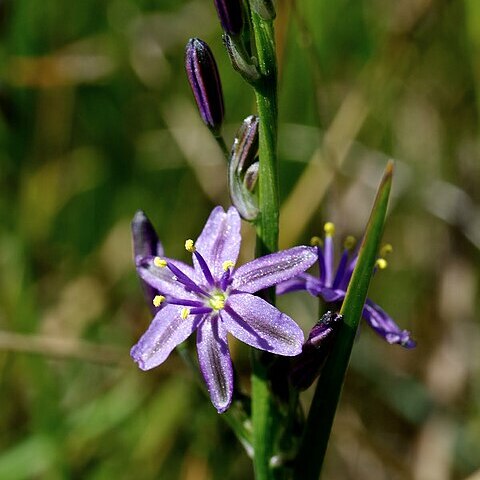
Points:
[(265, 414), (327, 394), (223, 146), (266, 97)]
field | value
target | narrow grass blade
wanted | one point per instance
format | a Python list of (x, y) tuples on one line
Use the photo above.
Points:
[(327, 393)]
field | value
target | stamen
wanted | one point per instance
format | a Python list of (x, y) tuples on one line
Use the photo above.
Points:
[(328, 252), (185, 313), (206, 271), (188, 282), (227, 264), (386, 249), (381, 263), (184, 302), (316, 242), (225, 280), (158, 300), (189, 245), (159, 262), (200, 310), (329, 229), (350, 242)]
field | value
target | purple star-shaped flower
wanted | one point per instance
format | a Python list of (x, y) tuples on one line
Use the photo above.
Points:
[(332, 286), (214, 298)]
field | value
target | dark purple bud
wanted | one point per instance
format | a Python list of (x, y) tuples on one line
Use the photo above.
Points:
[(307, 366), (145, 243), (264, 8), (240, 60), (204, 80), (242, 156), (231, 16), (145, 239)]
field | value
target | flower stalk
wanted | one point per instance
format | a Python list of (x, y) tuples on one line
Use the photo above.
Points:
[(265, 411)]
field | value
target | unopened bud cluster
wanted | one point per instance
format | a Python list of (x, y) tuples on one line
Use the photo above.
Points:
[(243, 168)]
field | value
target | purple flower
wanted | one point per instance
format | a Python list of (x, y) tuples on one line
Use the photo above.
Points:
[(332, 286), (214, 298)]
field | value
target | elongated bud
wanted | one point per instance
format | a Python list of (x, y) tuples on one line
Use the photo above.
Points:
[(145, 239), (242, 158), (230, 15), (264, 8), (205, 82), (146, 243), (240, 60), (245, 147), (307, 366)]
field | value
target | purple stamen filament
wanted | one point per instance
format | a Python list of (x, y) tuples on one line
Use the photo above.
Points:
[(206, 271), (182, 278)]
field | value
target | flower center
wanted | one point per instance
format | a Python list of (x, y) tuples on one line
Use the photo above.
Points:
[(217, 301)]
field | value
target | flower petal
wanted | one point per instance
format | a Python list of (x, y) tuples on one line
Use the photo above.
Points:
[(271, 269), (316, 288), (167, 330), (259, 324), (162, 279), (293, 284), (384, 325), (219, 241), (215, 362)]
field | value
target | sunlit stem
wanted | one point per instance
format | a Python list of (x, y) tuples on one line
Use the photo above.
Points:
[(264, 411)]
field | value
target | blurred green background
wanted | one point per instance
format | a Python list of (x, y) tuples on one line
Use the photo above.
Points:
[(97, 121)]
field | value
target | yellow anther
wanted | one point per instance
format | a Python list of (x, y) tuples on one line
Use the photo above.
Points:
[(160, 262), (227, 264), (349, 242), (185, 313), (329, 228), (386, 249), (315, 241), (189, 245), (381, 263), (158, 300), (217, 301)]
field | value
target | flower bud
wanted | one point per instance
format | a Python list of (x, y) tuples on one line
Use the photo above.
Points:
[(230, 15), (307, 366), (241, 175), (205, 82), (240, 60), (264, 8), (145, 243), (145, 239)]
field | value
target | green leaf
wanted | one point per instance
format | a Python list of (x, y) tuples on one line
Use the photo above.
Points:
[(329, 386)]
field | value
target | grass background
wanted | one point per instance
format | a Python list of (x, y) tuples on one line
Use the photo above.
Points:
[(97, 120)]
